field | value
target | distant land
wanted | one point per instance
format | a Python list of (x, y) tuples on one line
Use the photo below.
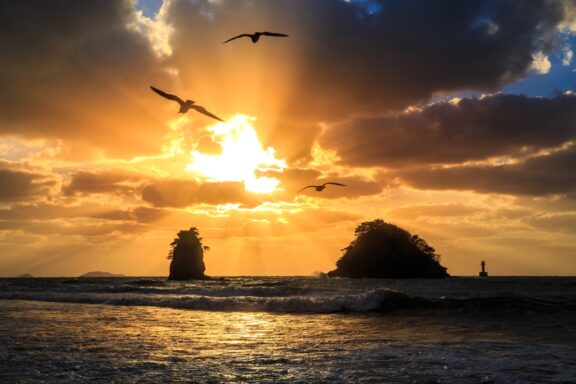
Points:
[(25, 276), (101, 274)]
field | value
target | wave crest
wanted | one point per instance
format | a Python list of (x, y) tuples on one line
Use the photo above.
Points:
[(378, 300)]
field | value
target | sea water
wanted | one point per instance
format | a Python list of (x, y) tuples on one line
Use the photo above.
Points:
[(288, 330)]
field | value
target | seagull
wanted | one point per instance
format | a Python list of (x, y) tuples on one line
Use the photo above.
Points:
[(256, 36), (185, 105), (320, 188)]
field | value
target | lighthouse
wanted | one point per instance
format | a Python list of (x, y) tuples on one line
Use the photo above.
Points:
[(483, 272)]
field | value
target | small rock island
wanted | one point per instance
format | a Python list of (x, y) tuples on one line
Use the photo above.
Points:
[(383, 250), (187, 255)]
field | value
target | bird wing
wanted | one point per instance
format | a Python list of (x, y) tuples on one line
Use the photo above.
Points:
[(309, 186), (203, 111), (237, 37), (274, 34), (342, 185), (167, 95)]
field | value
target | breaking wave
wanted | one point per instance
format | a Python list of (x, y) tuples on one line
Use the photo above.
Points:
[(250, 299)]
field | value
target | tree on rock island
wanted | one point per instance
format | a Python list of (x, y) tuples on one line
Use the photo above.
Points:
[(383, 250), (187, 255)]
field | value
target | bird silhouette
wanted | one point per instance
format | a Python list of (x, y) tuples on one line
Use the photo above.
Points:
[(185, 106), (320, 188), (256, 36)]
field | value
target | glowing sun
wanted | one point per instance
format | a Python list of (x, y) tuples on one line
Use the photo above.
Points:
[(242, 157)]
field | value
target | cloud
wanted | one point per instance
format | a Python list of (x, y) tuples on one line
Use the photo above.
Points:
[(472, 129), (264, 222), (569, 22), (74, 70), (293, 180), (568, 54), (103, 182), (355, 186), (79, 71), (170, 193), (539, 176), (156, 29), (19, 181), (564, 222), (397, 56), (540, 63), (434, 210), (149, 215), (292, 140), (183, 193), (72, 227), (52, 211)]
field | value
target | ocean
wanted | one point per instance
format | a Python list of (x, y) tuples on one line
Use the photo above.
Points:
[(288, 330)]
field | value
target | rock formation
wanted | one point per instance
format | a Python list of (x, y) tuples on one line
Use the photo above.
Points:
[(383, 250), (187, 254)]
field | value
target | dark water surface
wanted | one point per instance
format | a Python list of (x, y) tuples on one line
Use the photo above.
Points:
[(254, 329)]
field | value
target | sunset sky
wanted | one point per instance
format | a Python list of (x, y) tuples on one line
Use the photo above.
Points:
[(455, 120)]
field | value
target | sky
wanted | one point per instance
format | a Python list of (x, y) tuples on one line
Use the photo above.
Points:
[(455, 120)]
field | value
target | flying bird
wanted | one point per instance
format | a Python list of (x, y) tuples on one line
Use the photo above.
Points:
[(256, 36), (320, 188), (185, 105)]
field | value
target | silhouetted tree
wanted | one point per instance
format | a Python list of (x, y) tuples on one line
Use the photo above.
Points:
[(383, 250), (187, 255)]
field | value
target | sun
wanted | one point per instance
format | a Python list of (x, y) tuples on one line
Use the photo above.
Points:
[(242, 157)]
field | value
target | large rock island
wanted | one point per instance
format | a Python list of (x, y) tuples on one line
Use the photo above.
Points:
[(383, 250), (187, 254)]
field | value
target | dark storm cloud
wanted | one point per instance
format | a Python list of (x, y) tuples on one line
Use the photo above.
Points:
[(105, 182), (411, 49), (545, 175), (72, 69), (21, 182), (473, 129), (350, 61)]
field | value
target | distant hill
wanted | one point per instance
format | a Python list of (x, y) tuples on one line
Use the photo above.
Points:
[(101, 274), (25, 276)]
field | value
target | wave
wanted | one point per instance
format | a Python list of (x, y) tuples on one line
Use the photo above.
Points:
[(378, 300), (157, 287)]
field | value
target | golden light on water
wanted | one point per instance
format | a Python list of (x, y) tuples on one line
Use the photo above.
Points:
[(242, 157)]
